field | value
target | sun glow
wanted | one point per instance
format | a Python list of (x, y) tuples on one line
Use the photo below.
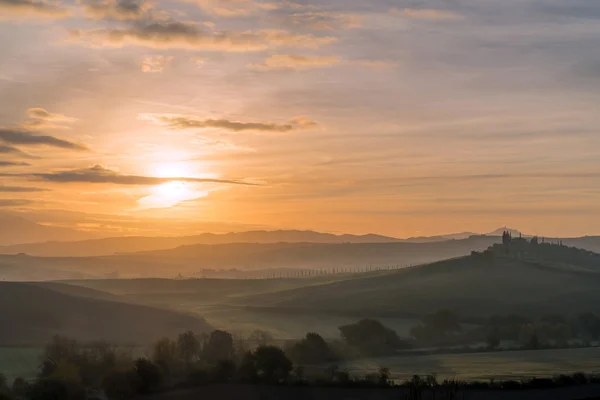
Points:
[(170, 194), (179, 169)]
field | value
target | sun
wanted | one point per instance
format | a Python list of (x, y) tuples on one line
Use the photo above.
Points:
[(170, 194), (178, 169)]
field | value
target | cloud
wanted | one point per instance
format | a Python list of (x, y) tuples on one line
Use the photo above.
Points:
[(180, 122), (428, 14), (244, 8), (325, 21), (24, 137), (43, 114), (100, 174), (5, 149), (13, 164), (43, 119), (32, 9), (291, 61), (21, 189), (14, 202), (191, 36), (120, 10), (377, 65), (155, 63)]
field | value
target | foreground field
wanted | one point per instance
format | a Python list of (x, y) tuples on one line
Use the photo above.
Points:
[(484, 366), (507, 365)]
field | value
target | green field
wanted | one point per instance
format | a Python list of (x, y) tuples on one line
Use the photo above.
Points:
[(19, 361), (23, 362), (484, 366)]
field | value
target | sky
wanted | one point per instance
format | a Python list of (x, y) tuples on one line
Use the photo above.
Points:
[(397, 117)]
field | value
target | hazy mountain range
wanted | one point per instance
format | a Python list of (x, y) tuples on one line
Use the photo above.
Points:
[(24, 236)]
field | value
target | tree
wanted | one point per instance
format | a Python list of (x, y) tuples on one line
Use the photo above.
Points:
[(4, 384), (267, 364), (260, 337), (437, 327), (20, 388), (55, 389), (120, 385), (165, 353), (371, 337), (219, 347), (534, 342), (188, 347), (149, 375), (493, 341), (312, 349)]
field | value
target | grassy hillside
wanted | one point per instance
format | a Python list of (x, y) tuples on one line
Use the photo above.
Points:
[(31, 314), (474, 285)]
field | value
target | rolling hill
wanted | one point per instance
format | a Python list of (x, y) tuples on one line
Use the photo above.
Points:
[(475, 285), (191, 260), (32, 314)]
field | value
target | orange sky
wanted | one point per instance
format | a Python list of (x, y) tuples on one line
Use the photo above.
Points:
[(176, 117)]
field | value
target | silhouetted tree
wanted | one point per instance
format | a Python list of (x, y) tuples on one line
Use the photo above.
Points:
[(56, 389), (312, 349), (266, 364), (20, 388), (219, 347), (149, 375), (260, 337), (371, 337), (188, 347), (121, 385), (165, 353)]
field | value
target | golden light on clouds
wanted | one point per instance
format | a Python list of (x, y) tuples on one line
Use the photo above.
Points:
[(327, 115)]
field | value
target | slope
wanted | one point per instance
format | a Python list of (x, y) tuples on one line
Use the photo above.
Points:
[(191, 260), (476, 285), (30, 314)]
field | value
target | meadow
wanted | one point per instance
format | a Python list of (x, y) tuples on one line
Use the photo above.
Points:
[(505, 365)]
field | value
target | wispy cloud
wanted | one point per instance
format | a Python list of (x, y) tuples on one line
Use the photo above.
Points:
[(428, 14), (40, 118), (120, 10), (20, 136), (10, 150), (13, 164), (245, 8), (14, 202), (325, 20), (21, 189), (32, 9), (100, 174), (294, 61), (156, 63), (177, 121), (192, 36)]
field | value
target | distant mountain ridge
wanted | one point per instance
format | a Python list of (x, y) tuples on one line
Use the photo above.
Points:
[(132, 244)]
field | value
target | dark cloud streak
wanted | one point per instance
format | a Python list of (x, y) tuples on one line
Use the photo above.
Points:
[(24, 137), (99, 174)]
